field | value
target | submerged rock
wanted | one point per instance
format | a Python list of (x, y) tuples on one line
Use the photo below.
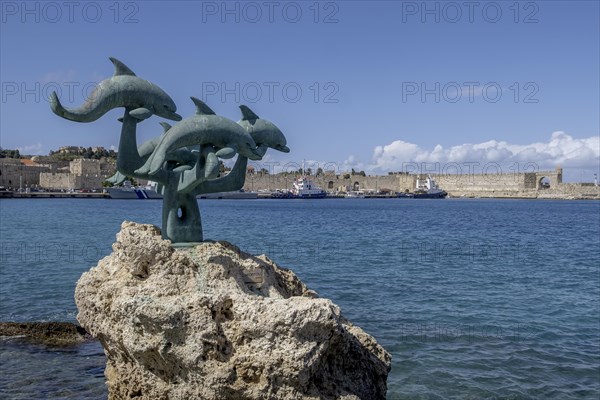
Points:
[(47, 333), (213, 322)]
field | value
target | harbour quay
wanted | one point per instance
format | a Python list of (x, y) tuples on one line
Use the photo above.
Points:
[(525, 185)]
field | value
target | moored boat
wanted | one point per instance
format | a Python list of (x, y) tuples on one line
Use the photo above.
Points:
[(425, 189), (355, 194), (127, 191), (304, 188)]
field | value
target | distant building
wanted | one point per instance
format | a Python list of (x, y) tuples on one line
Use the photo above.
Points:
[(76, 150), (18, 173), (83, 174)]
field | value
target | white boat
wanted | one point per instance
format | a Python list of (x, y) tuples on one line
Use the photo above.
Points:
[(304, 188), (237, 194), (355, 194), (426, 189), (126, 191)]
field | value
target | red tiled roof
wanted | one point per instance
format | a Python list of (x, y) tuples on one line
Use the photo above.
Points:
[(26, 161)]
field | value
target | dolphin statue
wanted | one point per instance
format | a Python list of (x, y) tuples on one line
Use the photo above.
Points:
[(203, 128), (264, 132), (265, 135), (182, 156), (123, 89)]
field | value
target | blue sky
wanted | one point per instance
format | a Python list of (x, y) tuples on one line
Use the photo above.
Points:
[(374, 86)]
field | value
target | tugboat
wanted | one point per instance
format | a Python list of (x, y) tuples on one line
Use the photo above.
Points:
[(304, 188), (425, 189)]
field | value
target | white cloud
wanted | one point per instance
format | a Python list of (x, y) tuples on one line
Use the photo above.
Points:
[(562, 149), (350, 163), (59, 77), (31, 149)]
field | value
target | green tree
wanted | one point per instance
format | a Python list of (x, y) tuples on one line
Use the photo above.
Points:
[(7, 153)]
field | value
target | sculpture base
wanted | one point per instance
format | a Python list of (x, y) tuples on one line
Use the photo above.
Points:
[(212, 322)]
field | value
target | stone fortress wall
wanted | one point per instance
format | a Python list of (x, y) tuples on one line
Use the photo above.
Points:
[(541, 184), (27, 174), (13, 173), (83, 174)]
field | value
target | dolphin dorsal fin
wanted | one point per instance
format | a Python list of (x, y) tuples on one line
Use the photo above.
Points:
[(201, 107), (120, 68), (247, 113), (166, 126)]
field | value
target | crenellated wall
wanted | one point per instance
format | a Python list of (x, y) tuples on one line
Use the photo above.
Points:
[(333, 183), (84, 174), (521, 185)]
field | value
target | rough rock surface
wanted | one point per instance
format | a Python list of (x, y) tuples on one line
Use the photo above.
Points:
[(212, 322), (47, 333)]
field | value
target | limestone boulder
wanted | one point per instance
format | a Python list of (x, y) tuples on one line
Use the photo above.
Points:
[(213, 322)]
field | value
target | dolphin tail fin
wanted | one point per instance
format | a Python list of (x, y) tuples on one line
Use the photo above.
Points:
[(247, 113), (55, 105), (72, 115), (120, 68)]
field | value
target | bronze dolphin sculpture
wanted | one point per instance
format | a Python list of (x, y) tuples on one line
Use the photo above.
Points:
[(123, 89)]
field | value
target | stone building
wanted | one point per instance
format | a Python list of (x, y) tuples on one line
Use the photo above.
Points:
[(77, 150), (83, 174), (20, 173)]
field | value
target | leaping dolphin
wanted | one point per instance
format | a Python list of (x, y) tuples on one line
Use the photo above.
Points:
[(181, 156), (264, 132), (123, 89), (203, 128)]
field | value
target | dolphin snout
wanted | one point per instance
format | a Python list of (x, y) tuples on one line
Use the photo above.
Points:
[(168, 112), (173, 116), (282, 148)]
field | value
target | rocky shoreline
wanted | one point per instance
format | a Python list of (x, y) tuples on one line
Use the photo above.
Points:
[(46, 333)]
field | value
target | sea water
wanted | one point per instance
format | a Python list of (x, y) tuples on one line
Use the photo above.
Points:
[(473, 298)]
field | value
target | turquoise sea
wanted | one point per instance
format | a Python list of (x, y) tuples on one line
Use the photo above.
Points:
[(474, 299)]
